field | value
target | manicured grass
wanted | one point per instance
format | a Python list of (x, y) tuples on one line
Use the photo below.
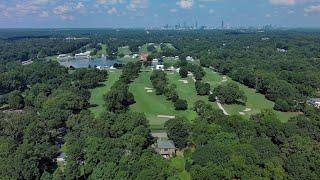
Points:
[(124, 50), (186, 91), (179, 164), (98, 93), (102, 51), (153, 105), (255, 101), (144, 48)]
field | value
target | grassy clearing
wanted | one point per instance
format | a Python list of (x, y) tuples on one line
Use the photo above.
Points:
[(179, 164), (255, 101), (102, 51), (186, 91), (97, 93), (153, 105), (124, 50)]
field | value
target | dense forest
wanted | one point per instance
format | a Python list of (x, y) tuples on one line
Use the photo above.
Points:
[(45, 107)]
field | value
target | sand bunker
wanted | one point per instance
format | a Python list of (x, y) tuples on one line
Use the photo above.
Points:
[(149, 91), (166, 116), (184, 81), (242, 113), (147, 88), (224, 79), (247, 110)]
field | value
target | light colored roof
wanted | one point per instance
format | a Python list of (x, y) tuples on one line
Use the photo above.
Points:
[(165, 144)]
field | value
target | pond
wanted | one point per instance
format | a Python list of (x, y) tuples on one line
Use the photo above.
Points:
[(85, 62)]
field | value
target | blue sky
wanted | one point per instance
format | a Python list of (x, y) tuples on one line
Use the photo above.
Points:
[(151, 13)]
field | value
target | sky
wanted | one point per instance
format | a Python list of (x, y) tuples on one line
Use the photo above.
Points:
[(157, 13)]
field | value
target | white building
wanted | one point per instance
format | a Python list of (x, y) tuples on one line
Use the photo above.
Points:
[(189, 58), (314, 102), (281, 50), (83, 55), (134, 56), (155, 62), (160, 67), (63, 57)]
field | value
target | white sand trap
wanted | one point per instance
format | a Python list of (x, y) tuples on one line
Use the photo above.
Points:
[(184, 81), (147, 88), (149, 91), (247, 110), (166, 116), (242, 113), (194, 79), (224, 80)]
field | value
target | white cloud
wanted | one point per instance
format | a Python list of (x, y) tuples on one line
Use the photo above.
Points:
[(173, 10), (80, 6), (112, 11), (291, 2), (44, 14), (109, 1), (185, 4), (137, 4), (62, 9), (312, 9), (67, 17), (282, 2), (268, 15), (211, 11)]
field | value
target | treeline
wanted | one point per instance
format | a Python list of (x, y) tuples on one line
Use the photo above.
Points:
[(32, 133), (161, 85), (230, 147), (118, 99), (26, 49)]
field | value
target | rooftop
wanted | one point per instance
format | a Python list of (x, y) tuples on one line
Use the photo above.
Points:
[(165, 144)]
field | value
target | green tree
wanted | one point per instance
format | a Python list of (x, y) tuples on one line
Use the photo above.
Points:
[(178, 131)]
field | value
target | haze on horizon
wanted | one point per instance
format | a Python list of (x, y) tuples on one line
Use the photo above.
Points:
[(157, 13)]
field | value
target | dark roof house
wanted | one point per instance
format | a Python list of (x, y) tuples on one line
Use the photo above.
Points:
[(165, 148)]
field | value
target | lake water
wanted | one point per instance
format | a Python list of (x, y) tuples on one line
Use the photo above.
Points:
[(84, 63)]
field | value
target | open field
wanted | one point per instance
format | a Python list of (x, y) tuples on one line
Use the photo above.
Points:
[(153, 105), (97, 93), (124, 50)]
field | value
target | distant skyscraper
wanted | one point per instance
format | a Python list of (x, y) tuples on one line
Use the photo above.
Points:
[(222, 25)]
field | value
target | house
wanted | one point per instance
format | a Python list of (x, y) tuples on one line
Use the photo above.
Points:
[(83, 55), (143, 56), (62, 56), (281, 50), (314, 102), (189, 58), (134, 56), (171, 69), (165, 148), (160, 67), (155, 62), (61, 158)]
